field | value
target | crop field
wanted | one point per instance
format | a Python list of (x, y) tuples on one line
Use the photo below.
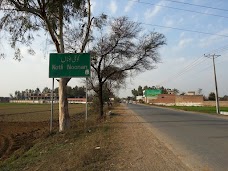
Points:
[(12, 112), (22, 124)]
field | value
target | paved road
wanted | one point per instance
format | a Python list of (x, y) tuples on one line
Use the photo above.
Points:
[(200, 140)]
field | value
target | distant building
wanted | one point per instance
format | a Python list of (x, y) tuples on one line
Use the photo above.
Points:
[(169, 91), (191, 93), (76, 100), (225, 98), (139, 98), (4, 99), (41, 96)]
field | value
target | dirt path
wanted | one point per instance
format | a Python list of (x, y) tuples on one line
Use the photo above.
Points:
[(139, 149)]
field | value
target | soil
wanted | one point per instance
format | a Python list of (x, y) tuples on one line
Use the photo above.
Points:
[(19, 135), (131, 145)]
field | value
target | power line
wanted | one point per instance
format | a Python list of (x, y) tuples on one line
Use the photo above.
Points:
[(184, 70), (182, 29), (220, 49), (180, 9), (203, 6), (192, 65)]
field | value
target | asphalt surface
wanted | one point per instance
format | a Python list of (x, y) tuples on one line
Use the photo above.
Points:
[(200, 140)]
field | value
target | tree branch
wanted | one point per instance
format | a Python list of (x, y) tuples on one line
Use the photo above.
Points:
[(89, 23)]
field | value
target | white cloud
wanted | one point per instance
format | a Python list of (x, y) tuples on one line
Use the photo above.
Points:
[(169, 23), (113, 7), (150, 13), (184, 42), (129, 6), (213, 39)]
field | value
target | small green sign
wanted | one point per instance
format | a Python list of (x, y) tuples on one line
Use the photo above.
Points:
[(152, 92), (69, 65)]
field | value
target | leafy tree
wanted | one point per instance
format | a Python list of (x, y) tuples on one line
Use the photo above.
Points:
[(164, 90), (22, 18), (134, 92), (79, 91), (23, 95), (145, 87), (16, 95), (37, 91), (124, 48), (140, 91), (11, 96), (69, 92), (211, 96), (176, 91), (46, 90)]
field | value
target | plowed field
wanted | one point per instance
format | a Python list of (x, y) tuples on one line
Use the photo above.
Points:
[(22, 124)]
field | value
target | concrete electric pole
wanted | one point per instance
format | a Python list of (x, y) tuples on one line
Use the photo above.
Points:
[(216, 86)]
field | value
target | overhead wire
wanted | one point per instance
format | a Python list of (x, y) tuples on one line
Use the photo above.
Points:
[(196, 5), (225, 48), (182, 29), (184, 70), (192, 65), (178, 28), (180, 9), (200, 60)]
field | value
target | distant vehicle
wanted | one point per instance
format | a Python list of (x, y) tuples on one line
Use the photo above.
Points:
[(130, 101)]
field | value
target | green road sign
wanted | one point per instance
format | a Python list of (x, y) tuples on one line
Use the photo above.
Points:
[(69, 65), (152, 92)]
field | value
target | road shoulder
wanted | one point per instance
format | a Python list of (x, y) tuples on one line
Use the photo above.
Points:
[(139, 148)]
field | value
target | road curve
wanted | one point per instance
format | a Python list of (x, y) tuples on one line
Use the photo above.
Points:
[(200, 140)]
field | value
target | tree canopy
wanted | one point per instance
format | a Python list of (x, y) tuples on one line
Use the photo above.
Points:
[(21, 18), (119, 49)]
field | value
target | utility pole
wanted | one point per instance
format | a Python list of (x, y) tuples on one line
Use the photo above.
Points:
[(216, 86)]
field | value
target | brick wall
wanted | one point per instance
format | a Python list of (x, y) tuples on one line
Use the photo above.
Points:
[(165, 98), (189, 99), (171, 99), (184, 100), (213, 103)]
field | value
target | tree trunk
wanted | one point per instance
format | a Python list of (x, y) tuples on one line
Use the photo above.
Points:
[(101, 102), (64, 118)]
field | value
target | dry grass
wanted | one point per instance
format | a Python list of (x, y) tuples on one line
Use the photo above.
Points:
[(72, 150)]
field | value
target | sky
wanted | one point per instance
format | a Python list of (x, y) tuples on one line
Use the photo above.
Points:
[(192, 28)]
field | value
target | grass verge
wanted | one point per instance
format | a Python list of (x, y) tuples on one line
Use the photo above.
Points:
[(80, 148), (203, 109)]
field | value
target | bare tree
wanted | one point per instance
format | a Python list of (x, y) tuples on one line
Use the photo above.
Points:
[(119, 49), (22, 18)]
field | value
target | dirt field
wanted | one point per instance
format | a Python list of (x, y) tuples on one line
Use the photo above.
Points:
[(124, 142), (22, 124), (14, 136)]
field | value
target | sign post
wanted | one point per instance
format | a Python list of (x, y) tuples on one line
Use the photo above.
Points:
[(52, 92), (86, 114), (68, 65)]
